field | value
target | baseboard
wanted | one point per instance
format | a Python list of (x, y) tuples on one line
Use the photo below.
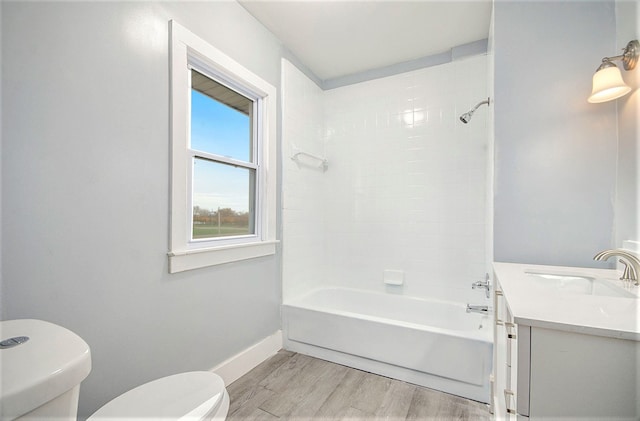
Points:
[(243, 362)]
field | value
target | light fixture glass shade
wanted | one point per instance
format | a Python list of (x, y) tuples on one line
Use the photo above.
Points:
[(608, 85)]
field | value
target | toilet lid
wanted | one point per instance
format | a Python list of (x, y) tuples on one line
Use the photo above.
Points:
[(185, 396)]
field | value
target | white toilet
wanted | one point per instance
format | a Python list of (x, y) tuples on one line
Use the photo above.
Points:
[(42, 365)]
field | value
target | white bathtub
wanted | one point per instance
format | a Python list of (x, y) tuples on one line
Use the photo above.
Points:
[(436, 344)]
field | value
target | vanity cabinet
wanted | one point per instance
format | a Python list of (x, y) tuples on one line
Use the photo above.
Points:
[(541, 372)]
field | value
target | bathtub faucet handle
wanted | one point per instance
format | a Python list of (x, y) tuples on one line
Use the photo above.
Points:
[(483, 285)]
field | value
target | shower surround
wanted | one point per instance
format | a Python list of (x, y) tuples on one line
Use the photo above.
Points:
[(404, 195), (405, 188)]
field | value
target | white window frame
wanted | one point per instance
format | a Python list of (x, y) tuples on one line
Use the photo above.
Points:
[(186, 51)]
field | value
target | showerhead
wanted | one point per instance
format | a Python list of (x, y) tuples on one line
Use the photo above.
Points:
[(467, 116)]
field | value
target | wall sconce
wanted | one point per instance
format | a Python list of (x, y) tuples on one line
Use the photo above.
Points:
[(607, 81)]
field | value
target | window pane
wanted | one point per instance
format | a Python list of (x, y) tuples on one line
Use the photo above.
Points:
[(223, 197), (220, 119)]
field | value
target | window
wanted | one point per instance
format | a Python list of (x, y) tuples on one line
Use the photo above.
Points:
[(223, 157)]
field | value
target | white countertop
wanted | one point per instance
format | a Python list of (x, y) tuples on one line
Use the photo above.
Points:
[(537, 306)]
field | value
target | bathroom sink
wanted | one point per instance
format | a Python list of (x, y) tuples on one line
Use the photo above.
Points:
[(576, 284)]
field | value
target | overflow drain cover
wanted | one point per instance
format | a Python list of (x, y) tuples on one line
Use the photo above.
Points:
[(11, 342)]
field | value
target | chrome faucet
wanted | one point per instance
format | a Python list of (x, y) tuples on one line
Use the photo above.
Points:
[(631, 266), (483, 285), (477, 309)]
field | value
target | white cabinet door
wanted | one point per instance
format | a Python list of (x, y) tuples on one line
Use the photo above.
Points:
[(577, 376)]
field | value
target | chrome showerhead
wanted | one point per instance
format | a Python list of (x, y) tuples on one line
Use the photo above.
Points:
[(467, 116)]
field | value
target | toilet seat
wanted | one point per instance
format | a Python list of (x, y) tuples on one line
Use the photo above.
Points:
[(192, 396)]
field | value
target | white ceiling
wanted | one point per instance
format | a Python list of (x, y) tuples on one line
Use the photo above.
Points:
[(334, 38)]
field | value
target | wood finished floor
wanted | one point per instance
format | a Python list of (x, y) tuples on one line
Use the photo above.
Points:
[(291, 386)]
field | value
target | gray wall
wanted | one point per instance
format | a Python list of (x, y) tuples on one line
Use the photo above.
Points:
[(628, 187), (555, 169), (85, 190)]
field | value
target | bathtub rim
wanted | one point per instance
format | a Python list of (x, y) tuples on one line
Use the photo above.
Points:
[(483, 335)]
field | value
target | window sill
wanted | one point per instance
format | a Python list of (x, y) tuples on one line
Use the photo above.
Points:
[(180, 261)]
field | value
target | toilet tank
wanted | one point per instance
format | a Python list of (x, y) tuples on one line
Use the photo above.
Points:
[(42, 365)]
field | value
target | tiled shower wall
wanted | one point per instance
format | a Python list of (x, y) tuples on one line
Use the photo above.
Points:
[(405, 188), (303, 184)]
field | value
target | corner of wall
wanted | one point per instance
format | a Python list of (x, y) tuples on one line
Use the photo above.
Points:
[(295, 61), (240, 364), (491, 143), (302, 128)]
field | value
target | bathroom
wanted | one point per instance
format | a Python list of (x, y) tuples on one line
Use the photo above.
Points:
[(85, 223)]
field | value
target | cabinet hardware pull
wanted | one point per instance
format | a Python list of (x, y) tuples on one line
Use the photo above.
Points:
[(507, 395), (498, 293)]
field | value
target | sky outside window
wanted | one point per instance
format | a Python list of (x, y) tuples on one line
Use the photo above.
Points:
[(219, 129)]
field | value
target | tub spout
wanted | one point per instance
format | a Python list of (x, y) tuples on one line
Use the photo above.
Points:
[(477, 309), (632, 269)]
